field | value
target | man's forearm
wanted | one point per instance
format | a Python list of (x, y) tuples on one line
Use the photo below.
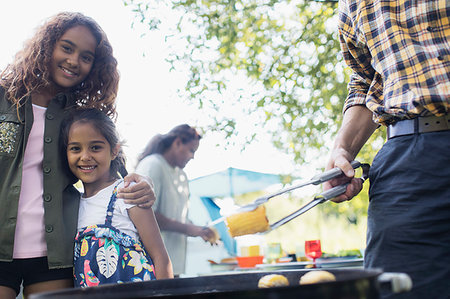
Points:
[(357, 127)]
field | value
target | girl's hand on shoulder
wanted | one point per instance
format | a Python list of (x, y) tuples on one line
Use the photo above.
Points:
[(141, 193)]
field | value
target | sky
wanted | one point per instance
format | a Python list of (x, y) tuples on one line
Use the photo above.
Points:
[(147, 102)]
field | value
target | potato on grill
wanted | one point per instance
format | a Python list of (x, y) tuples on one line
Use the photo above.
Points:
[(247, 223), (317, 276), (273, 280)]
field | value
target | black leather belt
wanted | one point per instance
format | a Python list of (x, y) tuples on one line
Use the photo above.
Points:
[(419, 125)]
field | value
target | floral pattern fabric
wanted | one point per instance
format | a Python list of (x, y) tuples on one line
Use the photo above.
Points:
[(103, 255)]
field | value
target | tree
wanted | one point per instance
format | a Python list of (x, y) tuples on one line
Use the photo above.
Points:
[(277, 62)]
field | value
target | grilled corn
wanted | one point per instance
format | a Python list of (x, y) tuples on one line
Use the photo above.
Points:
[(248, 222)]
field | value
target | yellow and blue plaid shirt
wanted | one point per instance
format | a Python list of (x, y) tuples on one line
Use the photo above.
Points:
[(399, 52)]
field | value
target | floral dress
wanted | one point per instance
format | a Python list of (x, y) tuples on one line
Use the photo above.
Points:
[(103, 254)]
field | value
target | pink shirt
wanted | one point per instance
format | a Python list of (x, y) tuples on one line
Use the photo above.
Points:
[(29, 239)]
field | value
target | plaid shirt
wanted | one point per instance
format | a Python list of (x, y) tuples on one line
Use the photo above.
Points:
[(399, 52)]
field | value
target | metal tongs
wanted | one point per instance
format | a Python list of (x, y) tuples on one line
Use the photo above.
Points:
[(320, 198)]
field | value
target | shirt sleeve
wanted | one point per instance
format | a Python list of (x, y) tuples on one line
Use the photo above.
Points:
[(356, 54), (123, 207), (120, 203)]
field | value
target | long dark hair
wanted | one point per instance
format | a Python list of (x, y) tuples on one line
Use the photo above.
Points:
[(29, 72), (104, 124), (159, 144)]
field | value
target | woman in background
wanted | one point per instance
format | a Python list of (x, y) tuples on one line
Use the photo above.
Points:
[(163, 161)]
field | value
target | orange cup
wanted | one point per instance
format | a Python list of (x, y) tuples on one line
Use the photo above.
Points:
[(249, 261)]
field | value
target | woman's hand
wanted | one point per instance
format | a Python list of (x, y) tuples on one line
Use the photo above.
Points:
[(206, 233), (141, 193), (210, 235)]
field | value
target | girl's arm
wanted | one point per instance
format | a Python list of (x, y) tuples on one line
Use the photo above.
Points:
[(145, 222)]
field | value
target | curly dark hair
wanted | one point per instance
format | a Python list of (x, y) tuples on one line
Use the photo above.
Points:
[(105, 126), (29, 72)]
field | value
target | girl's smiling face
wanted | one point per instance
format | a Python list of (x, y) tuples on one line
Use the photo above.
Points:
[(73, 57), (89, 156)]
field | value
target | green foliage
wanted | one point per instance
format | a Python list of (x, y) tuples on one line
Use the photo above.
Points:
[(278, 63), (288, 53), (291, 58), (335, 233)]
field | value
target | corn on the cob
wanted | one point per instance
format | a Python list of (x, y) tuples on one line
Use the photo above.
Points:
[(317, 276), (248, 222), (272, 280)]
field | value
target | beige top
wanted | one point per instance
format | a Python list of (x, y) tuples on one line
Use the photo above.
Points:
[(172, 194)]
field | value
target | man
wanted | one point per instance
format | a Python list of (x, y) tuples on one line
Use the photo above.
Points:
[(399, 52)]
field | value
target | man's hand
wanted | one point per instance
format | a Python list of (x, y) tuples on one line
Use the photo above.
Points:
[(340, 158), (141, 193)]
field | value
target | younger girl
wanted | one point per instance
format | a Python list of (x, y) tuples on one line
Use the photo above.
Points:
[(68, 63), (107, 246)]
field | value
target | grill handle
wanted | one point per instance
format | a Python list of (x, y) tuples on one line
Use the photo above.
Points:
[(395, 282)]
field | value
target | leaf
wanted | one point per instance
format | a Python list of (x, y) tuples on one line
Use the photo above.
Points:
[(107, 258), (84, 247)]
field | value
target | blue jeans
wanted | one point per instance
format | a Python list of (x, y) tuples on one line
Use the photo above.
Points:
[(409, 213)]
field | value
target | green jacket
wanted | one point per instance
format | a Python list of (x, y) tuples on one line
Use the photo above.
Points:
[(60, 198)]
